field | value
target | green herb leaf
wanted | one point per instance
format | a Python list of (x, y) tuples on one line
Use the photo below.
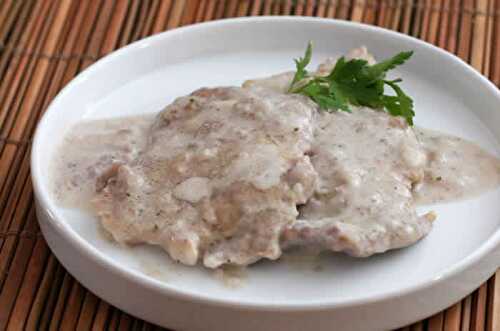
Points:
[(402, 104), (378, 71), (354, 82), (301, 64)]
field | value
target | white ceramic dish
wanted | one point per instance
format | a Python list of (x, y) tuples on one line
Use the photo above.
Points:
[(381, 292)]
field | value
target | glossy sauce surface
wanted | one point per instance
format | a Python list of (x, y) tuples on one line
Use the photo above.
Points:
[(367, 180), (231, 175)]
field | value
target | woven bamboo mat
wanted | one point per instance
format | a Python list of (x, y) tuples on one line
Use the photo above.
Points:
[(44, 44)]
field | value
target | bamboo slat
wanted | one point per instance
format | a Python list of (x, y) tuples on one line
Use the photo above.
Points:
[(267, 7), (287, 7), (479, 35), (15, 276), (426, 14), (478, 317), (299, 7), (87, 312), (8, 15), (357, 11), (310, 5), (140, 20), (452, 36), (13, 219), (436, 322), (124, 322), (161, 17), (452, 317), (21, 67), (398, 11), (151, 15), (54, 92), (98, 33), (434, 23), (369, 15), (200, 12), (72, 307), (408, 11), (50, 291), (219, 11), (40, 290), (7, 53), (465, 30), (41, 70), (389, 16), (119, 14), (281, 8), (115, 320), (382, 12), (417, 18), (15, 163), (210, 12), (466, 313), (343, 9), (419, 326), (62, 296), (493, 322), (231, 7), (495, 75), (129, 23), (320, 9), (101, 316), (189, 13), (176, 14), (45, 43), (20, 311)]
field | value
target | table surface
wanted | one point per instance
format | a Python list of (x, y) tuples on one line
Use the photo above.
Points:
[(45, 43)]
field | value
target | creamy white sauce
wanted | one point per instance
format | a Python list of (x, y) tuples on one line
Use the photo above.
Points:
[(193, 189), (233, 175), (231, 276), (455, 169), (367, 162), (89, 150), (218, 176), (371, 178)]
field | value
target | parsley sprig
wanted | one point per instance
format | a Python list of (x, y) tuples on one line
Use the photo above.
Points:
[(354, 82)]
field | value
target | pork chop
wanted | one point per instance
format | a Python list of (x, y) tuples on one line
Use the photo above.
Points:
[(367, 162), (220, 178)]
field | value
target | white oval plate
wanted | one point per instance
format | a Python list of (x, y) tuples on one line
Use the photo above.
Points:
[(380, 292)]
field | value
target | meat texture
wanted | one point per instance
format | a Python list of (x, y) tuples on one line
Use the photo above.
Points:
[(367, 162), (225, 172), (220, 178)]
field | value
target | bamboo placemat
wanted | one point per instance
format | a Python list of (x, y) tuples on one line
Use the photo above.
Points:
[(44, 44)]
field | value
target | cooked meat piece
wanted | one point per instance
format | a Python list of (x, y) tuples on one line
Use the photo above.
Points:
[(220, 178), (232, 175), (367, 162), (279, 83)]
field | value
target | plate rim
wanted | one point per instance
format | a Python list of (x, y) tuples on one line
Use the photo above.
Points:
[(57, 220)]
